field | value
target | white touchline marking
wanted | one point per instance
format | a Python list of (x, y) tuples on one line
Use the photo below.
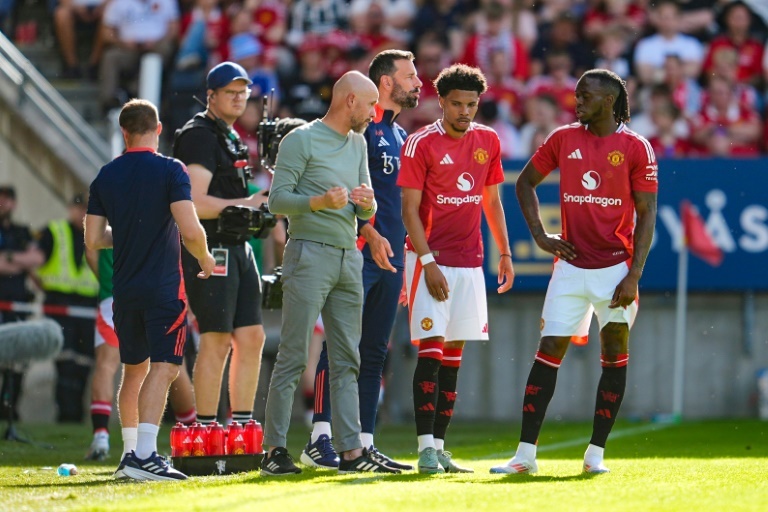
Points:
[(584, 440)]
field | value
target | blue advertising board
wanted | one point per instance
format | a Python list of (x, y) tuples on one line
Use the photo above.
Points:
[(731, 196)]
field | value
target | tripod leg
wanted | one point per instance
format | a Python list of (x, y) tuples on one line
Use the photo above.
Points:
[(8, 399)]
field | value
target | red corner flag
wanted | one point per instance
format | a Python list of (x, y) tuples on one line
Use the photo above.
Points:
[(697, 239)]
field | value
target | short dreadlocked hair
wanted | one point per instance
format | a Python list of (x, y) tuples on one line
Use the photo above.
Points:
[(460, 77), (617, 87)]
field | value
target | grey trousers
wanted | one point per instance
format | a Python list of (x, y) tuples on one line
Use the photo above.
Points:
[(319, 278)]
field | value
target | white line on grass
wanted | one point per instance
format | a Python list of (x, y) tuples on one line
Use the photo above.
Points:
[(585, 440)]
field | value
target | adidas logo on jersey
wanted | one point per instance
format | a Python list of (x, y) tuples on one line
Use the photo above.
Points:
[(576, 155), (383, 142), (446, 160)]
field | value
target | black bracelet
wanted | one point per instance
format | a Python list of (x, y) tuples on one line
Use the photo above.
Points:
[(504, 254)]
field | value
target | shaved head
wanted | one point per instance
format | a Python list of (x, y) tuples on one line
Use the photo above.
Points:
[(352, 82), (352, 105)]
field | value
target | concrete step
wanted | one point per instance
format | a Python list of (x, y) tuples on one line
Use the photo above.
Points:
[(82, 95), (44, 57)]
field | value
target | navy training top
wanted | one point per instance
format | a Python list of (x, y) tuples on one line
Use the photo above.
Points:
[(385, 138), (134, 192)]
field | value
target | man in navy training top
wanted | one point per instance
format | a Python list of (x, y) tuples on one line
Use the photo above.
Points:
[(382, 243), (139, 204)]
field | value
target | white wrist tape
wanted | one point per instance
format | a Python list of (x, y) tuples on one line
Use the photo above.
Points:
[(426, 259)]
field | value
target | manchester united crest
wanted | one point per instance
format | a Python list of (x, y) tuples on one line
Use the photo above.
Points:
[(426, 323), (616, 158), (481, 156)]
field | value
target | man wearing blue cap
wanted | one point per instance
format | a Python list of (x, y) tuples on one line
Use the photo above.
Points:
[(228, 305)]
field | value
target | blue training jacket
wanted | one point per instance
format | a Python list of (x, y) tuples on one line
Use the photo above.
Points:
[(385, 138)]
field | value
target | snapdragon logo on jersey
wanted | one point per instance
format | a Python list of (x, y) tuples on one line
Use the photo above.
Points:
[(590, 180), (464, 183)]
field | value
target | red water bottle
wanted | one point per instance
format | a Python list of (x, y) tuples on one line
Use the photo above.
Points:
[(199, 440), (254, 437), (236, 439), (178, 433), (215, 439), (186, 442)]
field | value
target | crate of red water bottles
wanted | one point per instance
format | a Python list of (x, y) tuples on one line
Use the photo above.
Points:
[(214, 450)]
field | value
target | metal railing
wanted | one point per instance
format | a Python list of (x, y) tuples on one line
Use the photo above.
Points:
[(65, 130)]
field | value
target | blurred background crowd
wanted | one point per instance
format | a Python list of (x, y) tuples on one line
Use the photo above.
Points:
[(696, 70)]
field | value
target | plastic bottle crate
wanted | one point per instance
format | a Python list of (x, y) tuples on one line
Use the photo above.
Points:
[(218, 464)]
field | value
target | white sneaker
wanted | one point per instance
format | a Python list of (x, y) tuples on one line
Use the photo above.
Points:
[(595, 468), (517, 466), (99, 449)]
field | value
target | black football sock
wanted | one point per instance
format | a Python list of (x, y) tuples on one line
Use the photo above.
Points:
[(610, 393), (538, 393), (447, 379), (425, 391)]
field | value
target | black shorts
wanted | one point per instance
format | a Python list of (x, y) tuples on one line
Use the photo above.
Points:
[(224, 303), (157, 333)]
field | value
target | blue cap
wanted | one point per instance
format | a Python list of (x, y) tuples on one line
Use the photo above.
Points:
[(242, 46), (226, 73)]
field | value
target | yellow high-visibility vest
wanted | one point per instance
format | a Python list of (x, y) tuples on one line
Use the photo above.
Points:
[(60, 273)]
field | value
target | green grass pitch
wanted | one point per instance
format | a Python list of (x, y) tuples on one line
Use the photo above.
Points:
[(692, 466)]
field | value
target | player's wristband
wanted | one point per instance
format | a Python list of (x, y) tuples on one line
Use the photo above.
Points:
[(505, 254), (426, 259)]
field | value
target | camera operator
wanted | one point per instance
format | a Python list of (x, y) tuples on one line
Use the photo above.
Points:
[(228, 305)]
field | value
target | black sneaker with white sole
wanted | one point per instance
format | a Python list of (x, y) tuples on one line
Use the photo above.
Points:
[(278, 463), (154, 467), (377, 455), (365, 463)]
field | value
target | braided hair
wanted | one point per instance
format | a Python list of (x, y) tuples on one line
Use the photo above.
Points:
[(618, 88)]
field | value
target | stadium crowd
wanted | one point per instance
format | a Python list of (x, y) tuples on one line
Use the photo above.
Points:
[(696, 69)]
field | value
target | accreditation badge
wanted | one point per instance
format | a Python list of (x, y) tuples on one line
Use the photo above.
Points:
[(221, 257)]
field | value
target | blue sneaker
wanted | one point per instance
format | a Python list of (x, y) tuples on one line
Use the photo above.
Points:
[(154, 467), (119, 472), (320, 454)]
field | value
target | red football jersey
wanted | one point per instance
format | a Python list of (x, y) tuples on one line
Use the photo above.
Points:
[(597, 178), (451, 173)]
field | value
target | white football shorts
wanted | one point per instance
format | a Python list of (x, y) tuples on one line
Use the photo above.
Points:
[(464, 316), (105, 325), (575, 293)]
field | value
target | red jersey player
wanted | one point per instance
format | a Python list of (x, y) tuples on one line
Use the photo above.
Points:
[(608, 174), (450, 171)]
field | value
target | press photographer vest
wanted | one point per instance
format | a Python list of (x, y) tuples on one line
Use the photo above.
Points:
[(226, 182)]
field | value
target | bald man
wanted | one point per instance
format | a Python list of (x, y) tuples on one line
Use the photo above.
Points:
[(322, 185)]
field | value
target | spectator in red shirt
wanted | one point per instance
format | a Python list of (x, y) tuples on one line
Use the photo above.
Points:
[(725, 128), (738, 20), (507, 92), (605, 14), (725, 63), (269, 21), (493, 33), (667, 143), (368, 24), (686, 92), (204, 34), (560, 84)]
